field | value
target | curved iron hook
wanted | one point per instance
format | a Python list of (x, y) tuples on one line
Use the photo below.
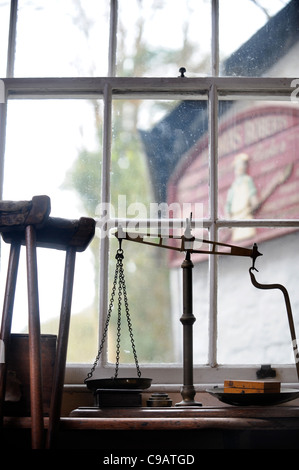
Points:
[(288, 308)]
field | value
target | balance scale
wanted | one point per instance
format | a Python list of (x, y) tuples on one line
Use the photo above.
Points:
[(127, 392)]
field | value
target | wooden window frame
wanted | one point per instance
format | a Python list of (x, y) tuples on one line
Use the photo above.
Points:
[(213, 88)]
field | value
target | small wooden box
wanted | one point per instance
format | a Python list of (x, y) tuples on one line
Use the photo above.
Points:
[(17, 397), (251, 386)]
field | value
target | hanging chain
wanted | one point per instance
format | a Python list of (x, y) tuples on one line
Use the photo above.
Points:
[(122, 283), (120, 277), (89, 375), (118, 334)]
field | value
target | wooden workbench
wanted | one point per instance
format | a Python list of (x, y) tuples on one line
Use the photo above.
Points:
[(239, 418), (175, 429)]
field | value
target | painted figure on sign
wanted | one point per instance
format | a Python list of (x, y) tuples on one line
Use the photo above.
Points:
[(242, 198)]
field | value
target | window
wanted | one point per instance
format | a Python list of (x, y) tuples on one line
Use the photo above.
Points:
[(101, 117)]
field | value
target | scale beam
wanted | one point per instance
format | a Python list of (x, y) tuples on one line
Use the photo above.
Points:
[(188, 244)]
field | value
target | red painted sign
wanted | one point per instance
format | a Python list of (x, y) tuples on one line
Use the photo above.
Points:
[(258, 173)]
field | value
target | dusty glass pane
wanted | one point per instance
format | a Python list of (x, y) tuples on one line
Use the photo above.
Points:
[(264, 40), (153, 148), (200, 308), (148, 289), (200, 291), (156, 38), (258, 175), (252, 323), (62, 39), (52, 148), (153, 159), (155, 298), (50, 136)]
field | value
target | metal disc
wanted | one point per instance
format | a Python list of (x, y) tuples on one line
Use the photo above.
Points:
[(119, 383), (255, 399)]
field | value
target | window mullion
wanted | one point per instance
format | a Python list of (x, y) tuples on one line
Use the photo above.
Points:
[(229, 88), (12, 38), (3, 119), (113, 38), (215, 38), (105, 199), (9, 74), (258, 223), (213, 138)]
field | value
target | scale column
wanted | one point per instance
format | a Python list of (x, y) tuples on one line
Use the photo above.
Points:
[(188, 391)]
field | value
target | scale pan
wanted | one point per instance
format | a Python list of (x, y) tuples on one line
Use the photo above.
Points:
[(254, 399), (119, 383)]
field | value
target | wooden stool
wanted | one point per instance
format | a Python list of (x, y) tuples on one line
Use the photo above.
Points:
[(37, 229)]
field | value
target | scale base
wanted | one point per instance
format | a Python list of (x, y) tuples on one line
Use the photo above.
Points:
[(188, 393), (188, 403)]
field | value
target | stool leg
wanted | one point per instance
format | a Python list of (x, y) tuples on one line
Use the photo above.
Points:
[(9, 297), (61, 351), (37, 423)]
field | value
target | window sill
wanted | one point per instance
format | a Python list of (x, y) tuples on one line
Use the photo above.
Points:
[(77, 396)]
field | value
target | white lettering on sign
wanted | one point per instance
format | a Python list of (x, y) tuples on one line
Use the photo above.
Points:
[(250, 132)]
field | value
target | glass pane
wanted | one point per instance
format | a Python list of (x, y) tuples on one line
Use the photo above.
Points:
[(62, 39), (252, 323), (157, 37), (265, 38), (152, 177), (53, 148), (155, 298), (153, 165), (148, 290), (201, 306), (258, 164), (4, 28)]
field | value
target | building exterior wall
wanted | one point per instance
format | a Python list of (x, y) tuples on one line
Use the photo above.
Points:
[(252, 324)]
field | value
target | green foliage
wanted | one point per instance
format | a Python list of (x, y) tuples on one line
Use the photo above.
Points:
[(147, 272), (85, 178), (147, 276)]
